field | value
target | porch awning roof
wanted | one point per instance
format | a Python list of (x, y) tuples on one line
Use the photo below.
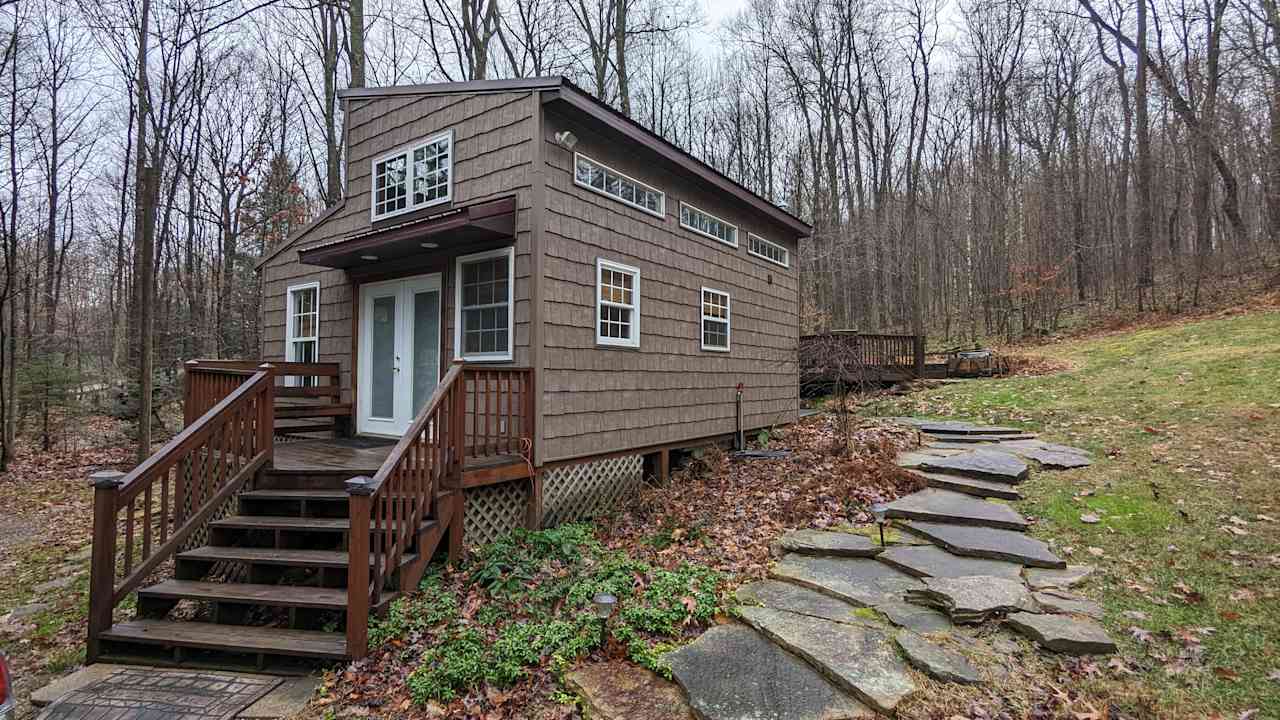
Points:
[(484, 221)]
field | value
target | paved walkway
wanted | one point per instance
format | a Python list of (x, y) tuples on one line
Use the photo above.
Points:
[(832, 633)]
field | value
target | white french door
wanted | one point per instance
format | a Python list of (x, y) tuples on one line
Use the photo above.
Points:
[(399, 363)]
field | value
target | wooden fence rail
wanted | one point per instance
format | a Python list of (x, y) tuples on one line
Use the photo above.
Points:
[(142, 519)]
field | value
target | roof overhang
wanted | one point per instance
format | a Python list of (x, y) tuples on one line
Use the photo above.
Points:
[(466, 225)]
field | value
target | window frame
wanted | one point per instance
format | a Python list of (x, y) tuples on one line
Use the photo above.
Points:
[(501, 356), (406, 151), (661, 212), (290, 336), (736, 230), (785, 252), (634, 340), (727, 320)]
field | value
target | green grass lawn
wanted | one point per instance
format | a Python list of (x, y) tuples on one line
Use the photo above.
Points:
[(1184, 425)]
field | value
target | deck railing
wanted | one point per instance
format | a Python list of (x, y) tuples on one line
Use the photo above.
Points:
[(905, 352), (142, 518), (304, 391), (473, 412)]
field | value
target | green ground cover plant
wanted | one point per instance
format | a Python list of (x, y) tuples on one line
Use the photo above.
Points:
[(523, 604)]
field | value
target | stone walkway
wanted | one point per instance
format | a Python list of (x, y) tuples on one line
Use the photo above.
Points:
[(833, 632)]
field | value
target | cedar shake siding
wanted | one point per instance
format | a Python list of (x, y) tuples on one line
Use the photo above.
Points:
[(492, 154), (599, 399)]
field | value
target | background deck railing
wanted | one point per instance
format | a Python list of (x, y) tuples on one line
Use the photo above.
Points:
[(308, 396), (474, 412), (853, 359), (141, 519)]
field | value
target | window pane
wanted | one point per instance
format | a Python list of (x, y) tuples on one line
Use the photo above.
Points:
[(383, 350), (486, 301), (426, 347)]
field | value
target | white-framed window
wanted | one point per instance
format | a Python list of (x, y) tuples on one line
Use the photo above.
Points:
[(484, 321), (302, 327), (715, 320), (773, 252), (692, 218), (617, 304), (416, 176), (605, 180)]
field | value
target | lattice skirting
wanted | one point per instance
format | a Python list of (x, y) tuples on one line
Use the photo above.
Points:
[(494, 510), (588, 489)]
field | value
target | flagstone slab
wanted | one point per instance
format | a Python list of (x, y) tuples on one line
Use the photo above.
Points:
[(947, 506), (860, 660), (826, 542), (1064, 603), (981, 463), (970, 486), (796, 599), (975, 598), (989, 543), (732, 672), (861, 581), (618, 690), (914, 617), (1048, 455), (961, 439), (932, 561), (937, 662), (1070, 576), (963, 428), (1063, 634)]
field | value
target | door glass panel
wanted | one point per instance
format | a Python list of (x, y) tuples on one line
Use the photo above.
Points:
[(426, 346), (382, 348)]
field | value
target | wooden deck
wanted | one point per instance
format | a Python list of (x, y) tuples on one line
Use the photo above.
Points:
[(363, 456)]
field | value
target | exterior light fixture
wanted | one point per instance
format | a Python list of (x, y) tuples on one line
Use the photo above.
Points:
[(880, 511), (370, 258), (566, 139), (429, 245), (604, 604)]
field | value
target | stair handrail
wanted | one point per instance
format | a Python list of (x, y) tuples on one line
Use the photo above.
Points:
[(197, 471), (387, 509)]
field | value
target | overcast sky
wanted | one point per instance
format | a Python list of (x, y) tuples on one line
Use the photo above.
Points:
[(715, 12)]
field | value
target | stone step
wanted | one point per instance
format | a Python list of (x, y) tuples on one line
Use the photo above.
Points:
[(936, 661), (963, 438), (861, 660), (1059, 633), (785, 596), (932, 561), (828, 543), (975, 598), (946, 506), (982, 463), (860, 581), (732, 672), (982, 542), (1048, 455), (969, 486)]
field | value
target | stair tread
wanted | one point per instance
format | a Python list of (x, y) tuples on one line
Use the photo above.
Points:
[(232, 638), (301, 596), (272, 556), (295, 494), (273, 522)]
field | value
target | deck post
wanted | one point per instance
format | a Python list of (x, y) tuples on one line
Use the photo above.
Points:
[(457, 515), (360, 502), (533, 515), (458, 428), (188, 393), (267, 412), (102, 566), (918, 355)]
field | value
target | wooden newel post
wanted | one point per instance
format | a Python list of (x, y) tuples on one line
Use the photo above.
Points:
[(189, 413), (267, 412), (360, 501), (102, 568), (458, 428)]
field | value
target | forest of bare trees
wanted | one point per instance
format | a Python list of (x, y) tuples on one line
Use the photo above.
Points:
[(972, 168)]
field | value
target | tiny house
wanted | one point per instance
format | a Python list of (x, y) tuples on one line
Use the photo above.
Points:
[(523, 302), (525, 223)]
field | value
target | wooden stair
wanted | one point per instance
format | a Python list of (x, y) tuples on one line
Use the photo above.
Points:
[(268, 592)]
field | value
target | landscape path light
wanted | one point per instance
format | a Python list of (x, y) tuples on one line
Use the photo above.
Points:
[(880, 510)]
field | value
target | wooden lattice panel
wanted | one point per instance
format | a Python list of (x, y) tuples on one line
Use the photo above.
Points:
[(494, 510), (582, 491)]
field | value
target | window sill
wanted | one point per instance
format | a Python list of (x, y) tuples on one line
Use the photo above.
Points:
[(486, 358)]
